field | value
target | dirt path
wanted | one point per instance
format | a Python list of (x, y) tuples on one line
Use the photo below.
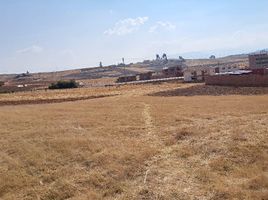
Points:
[(159, 170), (153, 138), (150, 129)]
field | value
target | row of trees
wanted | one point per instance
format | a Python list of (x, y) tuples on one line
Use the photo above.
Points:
[(164, 57)]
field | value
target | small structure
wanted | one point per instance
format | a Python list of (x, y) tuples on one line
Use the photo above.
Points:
[(225, 69), (198, 73), (144, 76), (243, 78), (22, 86), (123, 79), (191, 74), (138, 77), (175, 71)]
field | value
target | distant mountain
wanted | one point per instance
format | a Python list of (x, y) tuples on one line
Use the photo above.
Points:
[(113, 71), (237, 56), (217, 53), (191, 55)]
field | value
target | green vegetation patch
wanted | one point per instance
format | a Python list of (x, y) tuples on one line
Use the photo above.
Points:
[(63, 85)]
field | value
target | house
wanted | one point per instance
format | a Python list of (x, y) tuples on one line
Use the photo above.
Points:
[(225, 69), (258, 60)]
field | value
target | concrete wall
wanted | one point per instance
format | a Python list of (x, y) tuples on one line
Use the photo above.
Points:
[(250, 80)]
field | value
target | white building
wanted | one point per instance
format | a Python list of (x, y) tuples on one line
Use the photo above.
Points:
[(224, 69), (198, 73)]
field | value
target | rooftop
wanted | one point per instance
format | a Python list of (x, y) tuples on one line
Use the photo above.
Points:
[(238, 72)]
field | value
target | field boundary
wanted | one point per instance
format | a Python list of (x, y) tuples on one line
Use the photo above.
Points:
[(50, 101), (171, 79)]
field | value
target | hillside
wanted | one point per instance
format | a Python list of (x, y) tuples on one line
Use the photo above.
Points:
[(85, 75)]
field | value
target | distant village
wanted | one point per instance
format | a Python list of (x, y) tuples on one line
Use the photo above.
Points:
[(238, 70), (256, 74)]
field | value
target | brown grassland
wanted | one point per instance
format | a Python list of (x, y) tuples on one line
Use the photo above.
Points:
[(155, 141)]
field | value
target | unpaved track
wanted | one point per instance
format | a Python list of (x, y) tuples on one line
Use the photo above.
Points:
[(148, 121), (153, 138)]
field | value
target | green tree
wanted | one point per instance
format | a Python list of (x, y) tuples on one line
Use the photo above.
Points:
[(63, 85)]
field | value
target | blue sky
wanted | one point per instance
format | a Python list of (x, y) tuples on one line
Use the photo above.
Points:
[(50, 35)]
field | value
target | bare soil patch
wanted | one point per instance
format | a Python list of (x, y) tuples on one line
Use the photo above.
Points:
[(205, 90)]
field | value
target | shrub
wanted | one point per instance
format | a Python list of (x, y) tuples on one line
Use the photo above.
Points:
[(2, 83), (63, 85)]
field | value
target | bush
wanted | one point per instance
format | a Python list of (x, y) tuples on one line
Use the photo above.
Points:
[(2, 83), (63, 85)]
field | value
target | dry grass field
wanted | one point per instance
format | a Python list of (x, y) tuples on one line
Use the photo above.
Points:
[(159, 141)]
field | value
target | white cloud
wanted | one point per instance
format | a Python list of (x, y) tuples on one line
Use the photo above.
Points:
[(161, 25), (126, 26), (31, 49)]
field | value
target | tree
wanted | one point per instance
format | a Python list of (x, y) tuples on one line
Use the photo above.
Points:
[(164, 56), (100, 64), (181, 59), (157, 57), (2, 83), (63, 85), (212, 57)]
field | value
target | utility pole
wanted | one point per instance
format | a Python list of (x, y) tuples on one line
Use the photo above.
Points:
[(123, 61)]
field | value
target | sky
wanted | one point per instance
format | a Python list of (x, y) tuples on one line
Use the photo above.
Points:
[(52, 35)]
